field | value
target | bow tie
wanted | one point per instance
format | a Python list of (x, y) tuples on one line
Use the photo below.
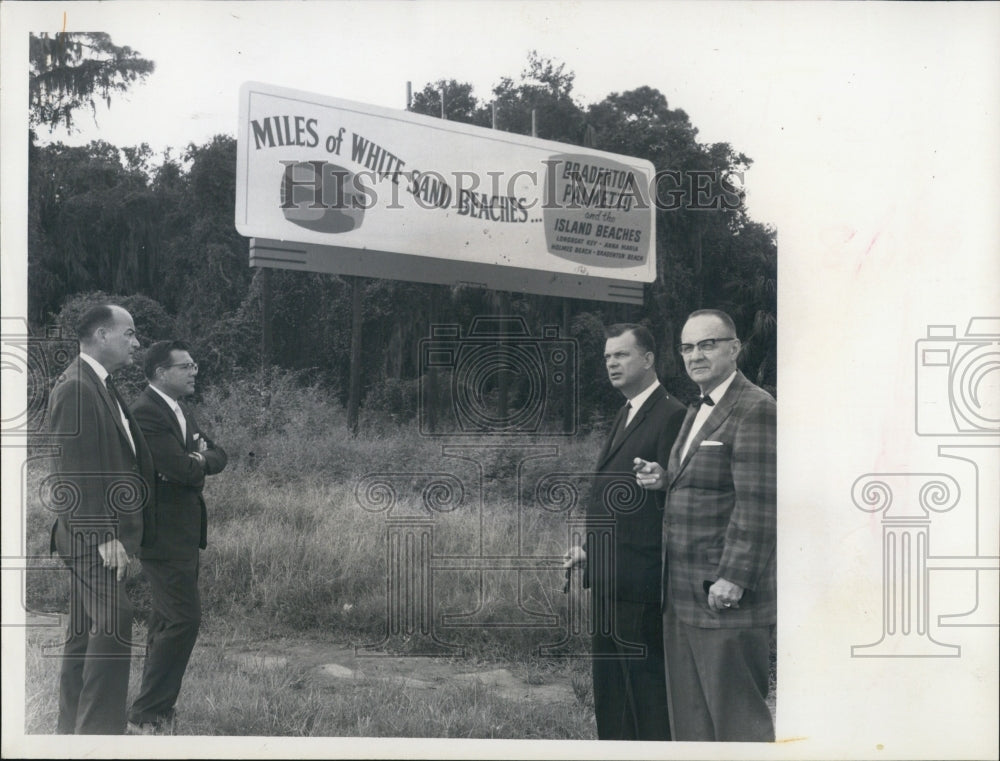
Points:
[(706, 400)]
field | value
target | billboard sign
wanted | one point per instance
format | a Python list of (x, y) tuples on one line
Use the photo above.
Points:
[(331, 185)]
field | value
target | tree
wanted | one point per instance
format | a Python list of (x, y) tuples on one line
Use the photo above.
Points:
[(460, 105), (67, 247), (206, 273), (94, 223), (709, 253), (73, 69), (545, 88)]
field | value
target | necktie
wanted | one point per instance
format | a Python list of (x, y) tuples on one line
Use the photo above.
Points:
[(622, 424), (181, 421), (121, 410)]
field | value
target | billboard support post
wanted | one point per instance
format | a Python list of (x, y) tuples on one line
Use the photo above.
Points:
[(354, 390), (265, 317)]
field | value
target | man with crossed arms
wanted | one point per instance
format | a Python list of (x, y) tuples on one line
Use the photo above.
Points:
[(719, 537), (183, 457)]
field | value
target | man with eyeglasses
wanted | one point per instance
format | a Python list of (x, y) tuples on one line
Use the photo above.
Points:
[(183, 455), (719, 537)]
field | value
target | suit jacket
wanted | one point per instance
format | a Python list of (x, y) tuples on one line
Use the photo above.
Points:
[(182, 520), (637, 513), (98, 479), (720, 516)]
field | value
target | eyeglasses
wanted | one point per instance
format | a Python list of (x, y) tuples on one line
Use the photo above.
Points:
[(185, 366), (709, 344)]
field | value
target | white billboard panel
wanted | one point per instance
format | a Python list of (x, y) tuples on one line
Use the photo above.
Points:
[(331, 185)]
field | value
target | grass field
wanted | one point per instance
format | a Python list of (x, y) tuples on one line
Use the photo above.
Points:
[(223, 695), (299, 525)]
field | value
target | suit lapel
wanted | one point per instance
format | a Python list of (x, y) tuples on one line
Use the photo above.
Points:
[(675, 452), (189, 427), (141, 450), (633, 426), (110, 402), (606, 451), (168, 413), (722, 410)]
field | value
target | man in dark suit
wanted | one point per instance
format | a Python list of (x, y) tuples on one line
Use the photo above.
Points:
[(105, 470), (622, 554), (183, 456), (719, 535)]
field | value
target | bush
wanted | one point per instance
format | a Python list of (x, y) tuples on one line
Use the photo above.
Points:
[(152, 323), (233, 345), (394, 399), (270, 422)]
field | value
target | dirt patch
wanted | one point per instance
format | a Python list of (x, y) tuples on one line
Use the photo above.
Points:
[(512, 688), (339, 664)]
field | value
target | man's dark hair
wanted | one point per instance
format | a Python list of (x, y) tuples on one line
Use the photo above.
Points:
[(643, 338), (726, 319), (158, 355), (100, 316)]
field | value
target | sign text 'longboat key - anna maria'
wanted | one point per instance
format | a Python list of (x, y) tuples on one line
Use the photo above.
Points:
[(330, 185)]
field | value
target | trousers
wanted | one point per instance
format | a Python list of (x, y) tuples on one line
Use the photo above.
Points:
[(717, 681), (93, 677), (630, 696), (172, 631)]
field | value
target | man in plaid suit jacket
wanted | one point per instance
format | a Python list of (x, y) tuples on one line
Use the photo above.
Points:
[(719, 537)]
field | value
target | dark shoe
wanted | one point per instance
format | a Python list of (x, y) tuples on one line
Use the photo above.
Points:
[(164, 725)]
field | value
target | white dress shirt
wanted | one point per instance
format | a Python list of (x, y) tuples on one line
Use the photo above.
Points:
[(705, 410), (103, 374), (640, 399), (178, 412)]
